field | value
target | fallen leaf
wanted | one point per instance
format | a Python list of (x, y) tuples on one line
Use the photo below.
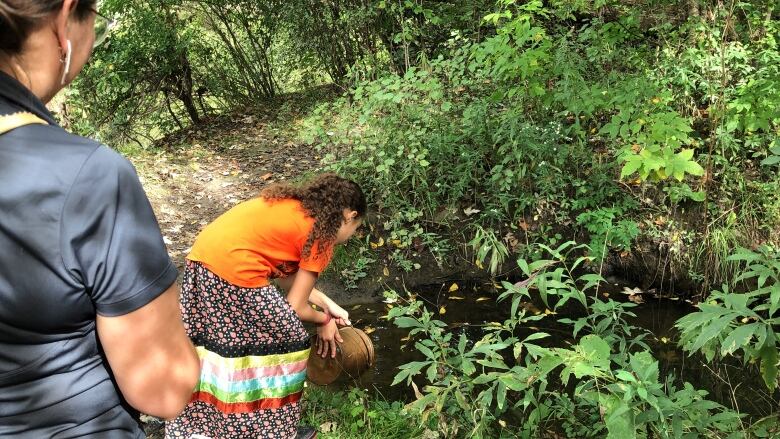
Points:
[(456, 297), (453, 288), (327, 427), (482, 299), (442, 310), (549, 312), (479, 265), (631, 291), (265, 177), (378, 244), (470, 211), (356, 307), (523, 224), (417, 393), (386, 272), (369, 329)]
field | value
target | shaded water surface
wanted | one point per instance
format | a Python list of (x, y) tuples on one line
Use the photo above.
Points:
[(471, 310)]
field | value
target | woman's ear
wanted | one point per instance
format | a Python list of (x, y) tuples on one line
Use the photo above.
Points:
[(351, 214), (61, 22)]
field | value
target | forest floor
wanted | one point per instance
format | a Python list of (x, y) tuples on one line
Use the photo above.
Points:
[(196, 175)]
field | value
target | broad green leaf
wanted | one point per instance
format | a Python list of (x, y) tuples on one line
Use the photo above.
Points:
[(738, 338), (769, 360)]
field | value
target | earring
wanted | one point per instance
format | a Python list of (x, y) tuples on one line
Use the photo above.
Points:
[(66, 61)]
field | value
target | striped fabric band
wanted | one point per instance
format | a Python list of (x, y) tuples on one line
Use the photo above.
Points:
[(245, 351), (245, 384)]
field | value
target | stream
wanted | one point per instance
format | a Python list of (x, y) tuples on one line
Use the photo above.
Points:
[(470, 309)]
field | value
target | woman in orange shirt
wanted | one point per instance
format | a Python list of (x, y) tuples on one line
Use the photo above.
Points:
[(250, 338)]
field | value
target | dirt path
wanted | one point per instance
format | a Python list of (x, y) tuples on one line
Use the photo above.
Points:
[(204, 172)]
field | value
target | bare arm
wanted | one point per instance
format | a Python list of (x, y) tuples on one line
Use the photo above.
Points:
[(154, 362), (299, 288)]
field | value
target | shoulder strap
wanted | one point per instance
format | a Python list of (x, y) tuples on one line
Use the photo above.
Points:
[(16, 120)]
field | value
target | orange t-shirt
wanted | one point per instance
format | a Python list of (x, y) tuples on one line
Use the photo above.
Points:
[(256, 241)]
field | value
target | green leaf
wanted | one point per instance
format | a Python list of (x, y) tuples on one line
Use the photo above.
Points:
[(633, 163), (738, 338), (712, 330), (406, 322), (595, 347), (771, 160), (768, 355), (618, 418)]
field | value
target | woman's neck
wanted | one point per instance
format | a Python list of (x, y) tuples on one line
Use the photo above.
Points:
[(38, 68)]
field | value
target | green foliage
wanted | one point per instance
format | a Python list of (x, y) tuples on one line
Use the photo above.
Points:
[(606, 231), (356, 414), (488, 246), (729, 322), (509, 375)]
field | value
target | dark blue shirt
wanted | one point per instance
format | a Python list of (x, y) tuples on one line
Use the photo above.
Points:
[(77, 238)]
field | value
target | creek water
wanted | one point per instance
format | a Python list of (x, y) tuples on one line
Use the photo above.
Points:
[(469, 310)]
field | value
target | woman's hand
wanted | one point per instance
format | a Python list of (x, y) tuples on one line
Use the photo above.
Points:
[(327, 336), (339, 314)]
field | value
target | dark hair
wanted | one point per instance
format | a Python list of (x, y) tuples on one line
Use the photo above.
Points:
[(324, 198), (18, 18)]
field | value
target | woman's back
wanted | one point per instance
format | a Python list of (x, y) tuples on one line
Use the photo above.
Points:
[(65, 202), (256, 241)]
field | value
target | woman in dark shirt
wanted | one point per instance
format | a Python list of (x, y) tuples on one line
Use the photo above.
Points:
[(90, 329)]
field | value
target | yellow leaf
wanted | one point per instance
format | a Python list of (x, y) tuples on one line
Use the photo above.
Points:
[(386, 272), (502, 423), (389, 305), (482, 299), (479, 265), (494, 324), (195, 166), (549, 312), (396, 242), (369, 329), (442, 310), (356, 307), (656, 100), (664, 340), (378, 244), (453, 287), (406, 338), (456, 297)]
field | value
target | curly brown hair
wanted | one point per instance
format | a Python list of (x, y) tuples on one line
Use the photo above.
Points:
[(323, 198)]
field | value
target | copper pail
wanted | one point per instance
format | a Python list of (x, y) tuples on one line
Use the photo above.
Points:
[(353, 357)]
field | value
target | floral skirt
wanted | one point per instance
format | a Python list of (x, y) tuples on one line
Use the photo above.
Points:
[(253, 350)]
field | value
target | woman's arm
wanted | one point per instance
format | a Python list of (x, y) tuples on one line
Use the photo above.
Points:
[(154, 362), (320, 299), (299, 289)]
